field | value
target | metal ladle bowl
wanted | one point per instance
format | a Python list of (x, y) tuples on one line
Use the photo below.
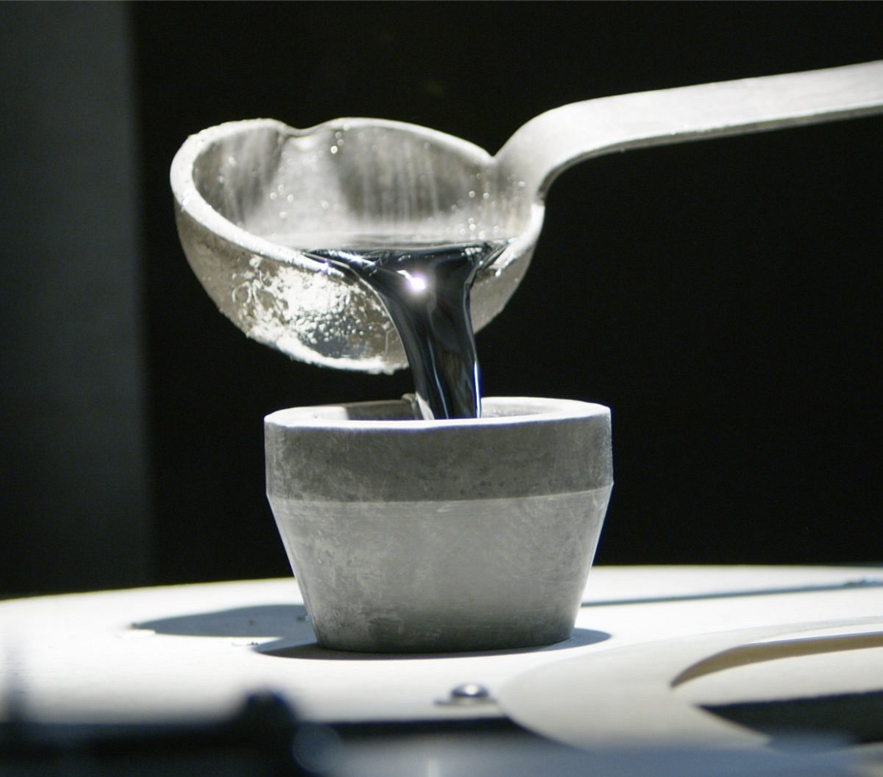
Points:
[(253, 197)]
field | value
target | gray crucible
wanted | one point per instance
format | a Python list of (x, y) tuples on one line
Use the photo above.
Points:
[(439, 536)]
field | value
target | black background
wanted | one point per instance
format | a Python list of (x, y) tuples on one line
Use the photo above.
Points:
[(722, 297)]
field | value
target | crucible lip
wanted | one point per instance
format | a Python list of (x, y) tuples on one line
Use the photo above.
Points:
[(541, 447), (396, 416)]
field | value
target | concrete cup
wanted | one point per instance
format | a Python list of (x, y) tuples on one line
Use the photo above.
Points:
[(440, 536)]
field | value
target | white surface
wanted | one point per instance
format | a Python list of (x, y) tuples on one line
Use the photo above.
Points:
[(181, 651), (637, 696)]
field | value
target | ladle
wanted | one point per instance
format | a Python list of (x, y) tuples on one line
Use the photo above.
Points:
[(254, 196)]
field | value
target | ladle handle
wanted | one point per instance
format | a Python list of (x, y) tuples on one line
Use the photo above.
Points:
[(554, 140)]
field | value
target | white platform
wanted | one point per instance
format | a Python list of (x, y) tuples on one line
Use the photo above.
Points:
[(179, 652)]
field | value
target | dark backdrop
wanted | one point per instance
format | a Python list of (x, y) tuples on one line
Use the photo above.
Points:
[(723, 297), (75, 502)]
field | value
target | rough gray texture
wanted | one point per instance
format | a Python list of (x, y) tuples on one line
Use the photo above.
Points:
[(364, 462), (441, 536)]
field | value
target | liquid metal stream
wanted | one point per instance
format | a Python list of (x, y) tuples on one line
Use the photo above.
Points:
[(426, 290)]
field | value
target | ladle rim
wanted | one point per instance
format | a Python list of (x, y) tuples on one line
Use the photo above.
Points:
[(192, 203)]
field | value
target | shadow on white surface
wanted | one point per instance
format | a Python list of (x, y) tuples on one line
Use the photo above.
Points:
[(286, 633), (292, 648)]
